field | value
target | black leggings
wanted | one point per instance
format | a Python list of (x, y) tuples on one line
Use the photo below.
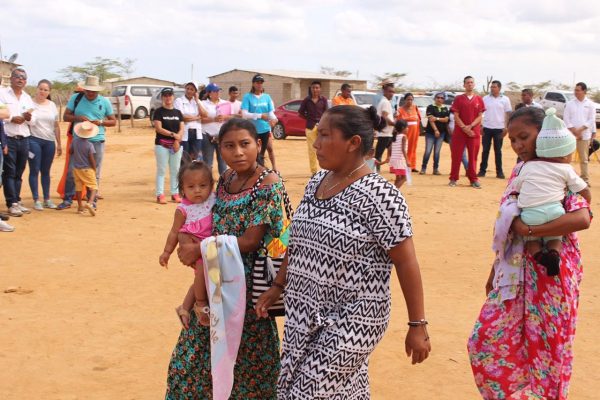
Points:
[(264, 139)]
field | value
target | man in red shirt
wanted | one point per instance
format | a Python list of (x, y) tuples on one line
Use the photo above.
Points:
[(468, 110)]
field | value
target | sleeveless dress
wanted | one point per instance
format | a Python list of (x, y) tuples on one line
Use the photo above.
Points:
[(257, 365), (198, 217), (337, 297), (397, 160)]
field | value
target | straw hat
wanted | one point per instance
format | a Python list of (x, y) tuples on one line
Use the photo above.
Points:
[(86, 130), (91, 83)]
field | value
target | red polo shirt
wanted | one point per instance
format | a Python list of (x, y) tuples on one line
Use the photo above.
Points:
[(468, 110)]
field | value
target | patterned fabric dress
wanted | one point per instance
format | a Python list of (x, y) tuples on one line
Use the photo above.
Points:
[(522, 348), (337, 297), (257, 365)]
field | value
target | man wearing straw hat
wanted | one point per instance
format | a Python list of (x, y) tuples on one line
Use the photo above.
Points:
[(92, 107), (84, 163)]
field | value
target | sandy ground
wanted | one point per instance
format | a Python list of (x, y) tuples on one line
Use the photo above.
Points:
[(94, 315)]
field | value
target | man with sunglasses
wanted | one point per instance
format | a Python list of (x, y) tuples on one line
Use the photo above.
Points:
[(16, 126)]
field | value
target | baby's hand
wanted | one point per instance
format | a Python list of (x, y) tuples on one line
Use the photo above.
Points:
[(164, 259)]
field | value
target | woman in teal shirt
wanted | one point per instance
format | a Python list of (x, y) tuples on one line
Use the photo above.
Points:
[(258, 107)]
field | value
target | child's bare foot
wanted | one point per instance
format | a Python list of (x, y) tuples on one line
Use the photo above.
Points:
[(202, 312), (80, 210)]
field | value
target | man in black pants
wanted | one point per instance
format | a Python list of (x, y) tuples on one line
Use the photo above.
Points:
[(385, 111)]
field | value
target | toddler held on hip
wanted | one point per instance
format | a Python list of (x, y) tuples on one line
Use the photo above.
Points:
[(542, 184), (192, 223)]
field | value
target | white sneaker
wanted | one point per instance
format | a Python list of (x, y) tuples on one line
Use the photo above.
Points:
[(4, 227), (38, 206), (15, 211), (23, 209)]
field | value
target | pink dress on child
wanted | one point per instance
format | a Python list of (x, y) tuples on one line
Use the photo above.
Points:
[(198, 217), (397, 160)]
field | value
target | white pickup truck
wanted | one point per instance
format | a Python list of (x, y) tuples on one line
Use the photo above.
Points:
[(558, 99)]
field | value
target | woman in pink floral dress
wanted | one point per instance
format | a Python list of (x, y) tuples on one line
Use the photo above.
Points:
[(521, 345)]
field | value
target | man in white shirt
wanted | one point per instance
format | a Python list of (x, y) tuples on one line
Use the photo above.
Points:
[(580, 118), (236, 105), (384, 110), (497, 111), (16, 126)]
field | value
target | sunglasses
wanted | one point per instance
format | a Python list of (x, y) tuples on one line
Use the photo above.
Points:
[(18, 76)]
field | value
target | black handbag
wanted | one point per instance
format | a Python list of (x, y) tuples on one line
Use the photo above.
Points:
[(270, 255)]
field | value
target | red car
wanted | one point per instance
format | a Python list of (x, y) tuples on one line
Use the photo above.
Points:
[(290, 123)]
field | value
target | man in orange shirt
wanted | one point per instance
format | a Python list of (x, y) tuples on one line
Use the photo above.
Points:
[(345, 97)]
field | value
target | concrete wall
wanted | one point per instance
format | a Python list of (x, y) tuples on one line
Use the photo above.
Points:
[(280, 88)]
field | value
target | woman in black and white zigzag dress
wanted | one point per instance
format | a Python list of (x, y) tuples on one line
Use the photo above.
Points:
[(350, 228)]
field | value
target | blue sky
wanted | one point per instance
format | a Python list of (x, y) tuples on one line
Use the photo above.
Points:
[(434, 42)]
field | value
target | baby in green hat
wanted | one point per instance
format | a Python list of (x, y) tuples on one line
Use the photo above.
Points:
[(542, 184)]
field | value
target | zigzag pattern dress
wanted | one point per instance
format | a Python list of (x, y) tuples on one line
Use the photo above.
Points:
[(337, 297)]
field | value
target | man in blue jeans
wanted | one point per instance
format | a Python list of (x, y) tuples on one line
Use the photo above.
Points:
[(93, 107), (16, 126), (497, 111)]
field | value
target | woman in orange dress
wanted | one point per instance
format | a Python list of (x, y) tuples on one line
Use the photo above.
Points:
[(410, 113)]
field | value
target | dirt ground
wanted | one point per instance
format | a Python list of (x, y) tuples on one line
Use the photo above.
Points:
[(94, 318)]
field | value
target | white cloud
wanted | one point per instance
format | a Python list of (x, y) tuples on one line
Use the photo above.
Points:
[(430, 40)]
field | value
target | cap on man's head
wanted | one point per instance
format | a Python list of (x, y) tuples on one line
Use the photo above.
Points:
[(212, 87), (258, 78), (166, 92)]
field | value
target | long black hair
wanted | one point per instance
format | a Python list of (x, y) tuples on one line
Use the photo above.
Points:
[(530, 115), (235, 124), (399, 126)]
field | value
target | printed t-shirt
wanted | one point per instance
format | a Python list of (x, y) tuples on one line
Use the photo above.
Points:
[(258, 105), (171, 120)]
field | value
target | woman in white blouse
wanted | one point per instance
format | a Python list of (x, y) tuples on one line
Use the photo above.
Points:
[(217, 112), (43, 144)]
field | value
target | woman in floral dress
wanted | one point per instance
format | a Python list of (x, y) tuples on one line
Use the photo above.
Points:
[(521, 345), (235, 213)]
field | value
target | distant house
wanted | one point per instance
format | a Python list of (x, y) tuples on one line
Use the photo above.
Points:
[(284, 85), (5, 70), (140, 80)]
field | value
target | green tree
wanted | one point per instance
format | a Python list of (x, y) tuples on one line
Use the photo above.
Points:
[(332, 71), (104, 68)]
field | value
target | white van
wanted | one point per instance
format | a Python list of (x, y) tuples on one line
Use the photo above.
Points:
[(134, 97)]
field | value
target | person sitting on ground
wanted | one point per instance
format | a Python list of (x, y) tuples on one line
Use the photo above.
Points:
[(541, 185), (84, 165)]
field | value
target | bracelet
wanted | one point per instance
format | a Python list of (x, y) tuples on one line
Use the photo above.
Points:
[(421, 322), (278, 285), (529, 232)]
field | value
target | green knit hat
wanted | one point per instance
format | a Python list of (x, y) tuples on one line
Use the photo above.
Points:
[(554, 140)]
